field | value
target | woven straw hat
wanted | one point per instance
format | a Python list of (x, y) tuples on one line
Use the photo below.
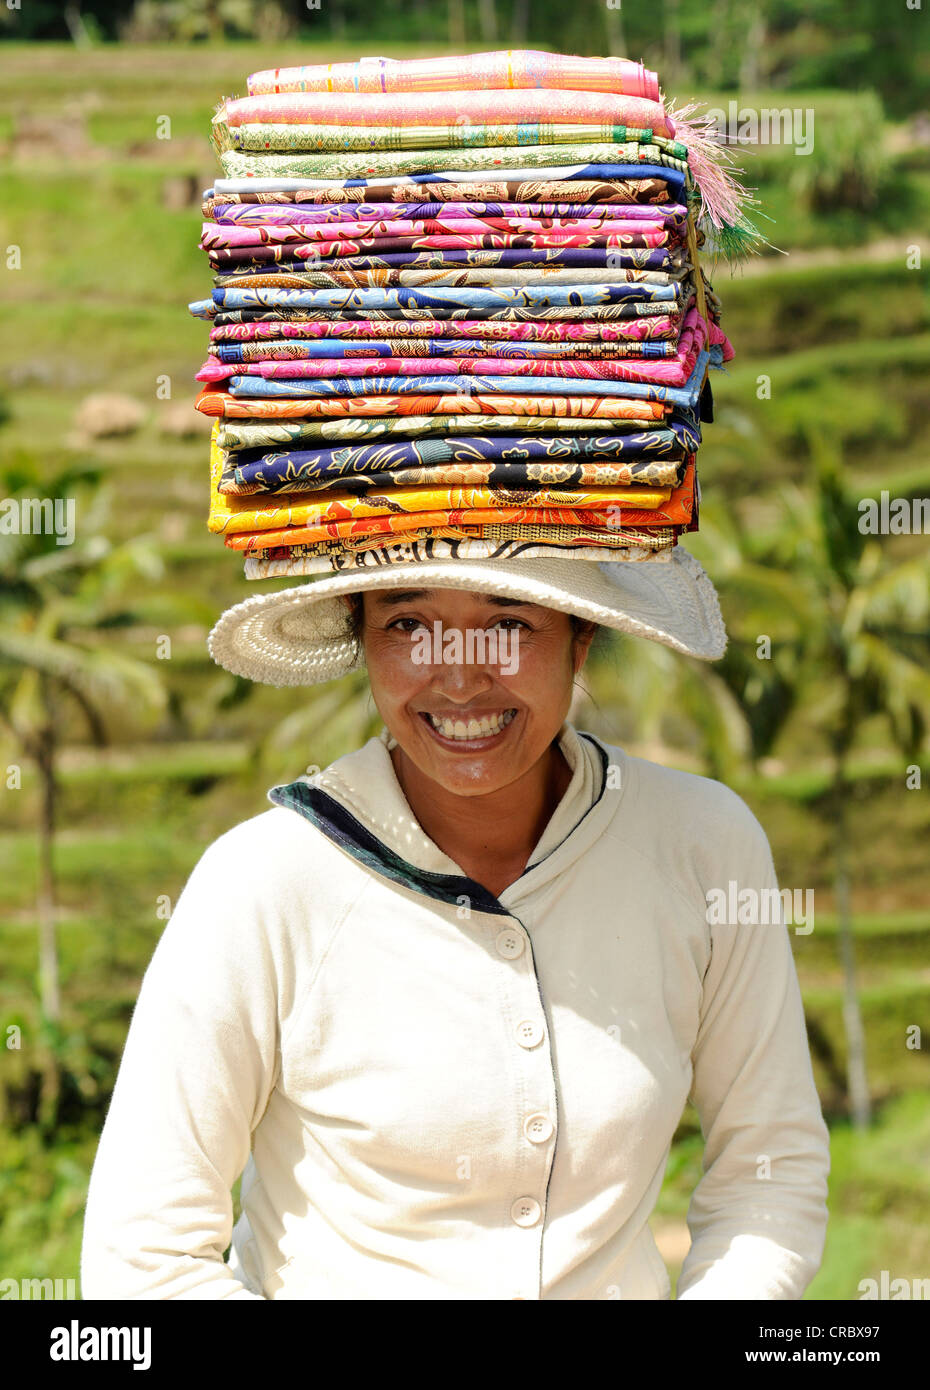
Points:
[(301, 636)]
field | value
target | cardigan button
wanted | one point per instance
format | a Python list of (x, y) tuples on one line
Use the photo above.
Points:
[(526, 1211), (529, 1032), (509, 943), (537, 1128)]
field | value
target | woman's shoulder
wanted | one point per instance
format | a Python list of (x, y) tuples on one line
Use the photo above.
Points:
[(685, 809), (270, 853)]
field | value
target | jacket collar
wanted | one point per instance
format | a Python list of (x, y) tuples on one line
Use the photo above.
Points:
[(358, 803)]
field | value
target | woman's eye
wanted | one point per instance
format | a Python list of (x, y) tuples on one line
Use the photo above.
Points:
[(519, 621), (396, 623)]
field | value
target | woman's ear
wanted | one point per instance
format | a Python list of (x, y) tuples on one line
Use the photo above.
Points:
[(581, 645)]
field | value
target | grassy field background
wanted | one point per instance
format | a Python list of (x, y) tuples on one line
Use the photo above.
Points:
[(106, 216)]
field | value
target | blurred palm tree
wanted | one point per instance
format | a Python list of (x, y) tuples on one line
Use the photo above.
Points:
[(657, 698), (63, 608), (849, 621), (333, 719)]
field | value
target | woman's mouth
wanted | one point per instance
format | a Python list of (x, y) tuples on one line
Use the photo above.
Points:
[(469, 731)]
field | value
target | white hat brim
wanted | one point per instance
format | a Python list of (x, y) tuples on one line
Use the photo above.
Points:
[(301, 636)]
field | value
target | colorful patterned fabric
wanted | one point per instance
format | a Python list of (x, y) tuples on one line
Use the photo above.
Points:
[(638, 310), (510, 476), (308, 373), (517, 68), (458, 542), (488, 299), (487, 108), (237, 435), (493, 330), (214, 236), (505, 460), (384, 163), (392, 185), (259, 387), (267, 215), (221, 403), (307, 136), (255, 256), (499, 541), (299, 365), (243, 523), (293, 349), (457, 309), (670, 259), (398, 278), (393, 524), (628, 191)]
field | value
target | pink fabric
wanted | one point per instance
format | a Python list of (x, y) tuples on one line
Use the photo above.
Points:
[(447, 108), (300, 214), (519, 68), (672, 371), (623, 330), (306, 250), (301, 232)]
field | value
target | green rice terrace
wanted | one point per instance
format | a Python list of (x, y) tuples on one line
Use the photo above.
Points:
[(826, 402)]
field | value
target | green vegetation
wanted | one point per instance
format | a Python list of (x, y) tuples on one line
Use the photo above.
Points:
[(840, 328)]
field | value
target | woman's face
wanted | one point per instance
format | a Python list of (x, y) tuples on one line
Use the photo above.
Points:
[(490, 659)]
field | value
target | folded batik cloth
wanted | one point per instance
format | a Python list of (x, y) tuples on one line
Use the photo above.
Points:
[(215, 236), (292, 215), (253, 257), (294, 349), (482, 543), (392, 506), (538, 298), (467, 109), (608, 519), (628, 191), (592, 313), (310, 138), (299, 364), (457, 309), (493, 330), (491, 71), (274, 278), (631, 261), (653, 457), (398, 508), (515, 378), (236, 435), (221, 403), (519, 160)]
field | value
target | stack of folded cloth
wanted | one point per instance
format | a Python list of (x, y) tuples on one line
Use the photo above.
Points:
[(458, 311)]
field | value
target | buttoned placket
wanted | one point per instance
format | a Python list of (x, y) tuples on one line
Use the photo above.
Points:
[(535, 1126), (507, 938)]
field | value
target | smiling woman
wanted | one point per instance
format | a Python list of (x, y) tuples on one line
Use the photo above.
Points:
[(483, 731), (441, 1006)]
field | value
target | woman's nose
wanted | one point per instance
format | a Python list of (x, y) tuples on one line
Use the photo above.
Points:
[(461, 679)]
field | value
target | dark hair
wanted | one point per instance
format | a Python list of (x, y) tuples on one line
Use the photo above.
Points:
[(356, 621)]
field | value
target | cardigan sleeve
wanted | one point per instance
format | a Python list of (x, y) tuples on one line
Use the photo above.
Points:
[(196, 1074), (758, 1215)]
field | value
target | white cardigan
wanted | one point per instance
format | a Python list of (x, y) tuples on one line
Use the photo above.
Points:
[(452, 1096)]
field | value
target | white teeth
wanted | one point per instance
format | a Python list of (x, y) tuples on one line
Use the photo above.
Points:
[(475, 728)]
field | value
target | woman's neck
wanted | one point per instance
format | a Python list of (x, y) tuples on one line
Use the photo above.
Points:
[(491, 836)]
